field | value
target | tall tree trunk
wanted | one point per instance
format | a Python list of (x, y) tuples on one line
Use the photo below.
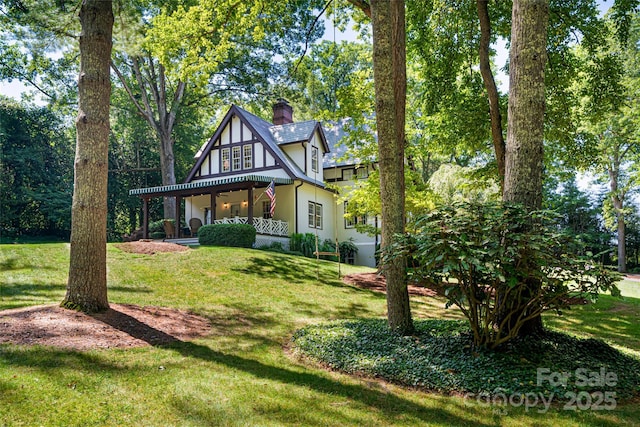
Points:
[(490, 86), (617, 200), (525, 130), (167, 169), (389, 69), (87, 284), (160, 111)]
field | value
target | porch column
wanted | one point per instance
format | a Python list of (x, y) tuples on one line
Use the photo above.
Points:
[(178, 209), (250, 204), (145, 218), (214, 196)]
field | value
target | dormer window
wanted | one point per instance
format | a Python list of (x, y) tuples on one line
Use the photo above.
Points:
[(314, 159)]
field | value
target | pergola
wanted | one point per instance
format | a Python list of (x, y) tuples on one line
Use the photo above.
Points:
[(203, 187)]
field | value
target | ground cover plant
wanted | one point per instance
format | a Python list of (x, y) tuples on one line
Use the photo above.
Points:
[(243, 372), (439, 356)]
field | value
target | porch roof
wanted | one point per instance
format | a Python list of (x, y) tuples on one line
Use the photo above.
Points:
[(193, 186)]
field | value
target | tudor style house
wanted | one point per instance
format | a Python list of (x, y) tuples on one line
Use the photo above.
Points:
[(233, 169)]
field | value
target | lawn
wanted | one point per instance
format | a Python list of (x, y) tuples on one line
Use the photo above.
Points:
[(242, 373)]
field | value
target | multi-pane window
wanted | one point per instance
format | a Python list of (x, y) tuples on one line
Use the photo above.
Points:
[(353, 220), (362, 172), (247, 155), (314, 159), (315, 215), (236, 159), (226, 165)]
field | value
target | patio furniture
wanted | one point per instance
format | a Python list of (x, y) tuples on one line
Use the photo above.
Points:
[(169, 229), (195, 224)]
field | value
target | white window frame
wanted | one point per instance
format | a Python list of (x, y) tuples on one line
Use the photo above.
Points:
[(247, 156), (314, 159), (225, 160), (314, 212), (236, 158)]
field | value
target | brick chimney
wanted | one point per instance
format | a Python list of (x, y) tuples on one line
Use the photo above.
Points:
[(282, 112)]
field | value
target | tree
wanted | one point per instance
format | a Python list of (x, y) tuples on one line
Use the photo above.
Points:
[(390, 82), (610, 122), (36, 163), (525, 129), (87, 284)]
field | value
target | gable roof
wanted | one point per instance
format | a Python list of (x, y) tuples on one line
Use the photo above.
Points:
[(263, 131)]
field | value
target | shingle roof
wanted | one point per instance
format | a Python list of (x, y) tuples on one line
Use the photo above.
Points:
[(293, 132), (263, 128), (338, 156)]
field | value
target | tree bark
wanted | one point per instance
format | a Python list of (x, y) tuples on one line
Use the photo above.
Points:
[(389, 69), (491, 88), (617, 200), (87, 283), (525, 130)]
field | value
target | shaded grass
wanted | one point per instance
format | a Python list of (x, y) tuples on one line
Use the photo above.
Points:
[(239, 375)]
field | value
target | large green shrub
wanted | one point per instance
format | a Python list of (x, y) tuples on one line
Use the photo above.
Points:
[(487, 256), (236, 235)]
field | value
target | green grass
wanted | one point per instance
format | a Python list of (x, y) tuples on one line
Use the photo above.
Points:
[(242, 374)]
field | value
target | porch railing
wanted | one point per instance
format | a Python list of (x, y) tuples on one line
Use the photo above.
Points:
[(262, 225)]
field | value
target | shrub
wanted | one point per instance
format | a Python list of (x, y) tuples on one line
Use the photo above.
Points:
[(156, 226), (157, 235), (304, 243), (493, 253), (236, 235), (348, 249)]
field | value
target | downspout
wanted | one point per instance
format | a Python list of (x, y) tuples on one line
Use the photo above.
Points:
[(296, 203)]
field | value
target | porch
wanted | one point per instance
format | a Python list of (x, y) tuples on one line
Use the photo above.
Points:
[(239, 197)]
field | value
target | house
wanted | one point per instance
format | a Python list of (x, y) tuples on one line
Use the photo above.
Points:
[(235, 166)]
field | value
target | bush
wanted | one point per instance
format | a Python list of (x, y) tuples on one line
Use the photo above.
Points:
[(156, 226), (236, 235), (304, 243), (157, 235), (348, 249), (507, 265)]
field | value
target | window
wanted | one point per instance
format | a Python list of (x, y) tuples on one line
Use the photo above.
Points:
[(347, 174), (353, 220), (315, 215), (248, 158), (314, 159), (266, 209), (226, 166), (236, 158), (362, 172)]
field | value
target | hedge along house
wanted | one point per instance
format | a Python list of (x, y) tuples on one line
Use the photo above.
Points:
[(246, 153)]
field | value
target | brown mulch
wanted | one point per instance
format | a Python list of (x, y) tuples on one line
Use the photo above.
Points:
[(150, 247), (376, 282), (123, 325)]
